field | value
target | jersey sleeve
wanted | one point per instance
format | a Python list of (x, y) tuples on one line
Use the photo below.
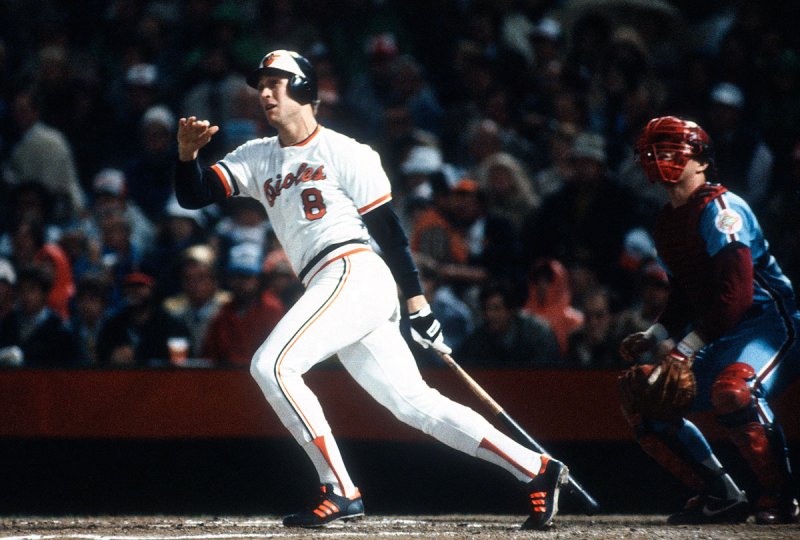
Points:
[(365, 180), (236, 173), (728, 219)]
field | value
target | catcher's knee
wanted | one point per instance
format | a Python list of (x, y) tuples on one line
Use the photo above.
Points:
[(731, 393)]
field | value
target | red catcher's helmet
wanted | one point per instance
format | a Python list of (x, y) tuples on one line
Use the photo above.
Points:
[(666, 144)]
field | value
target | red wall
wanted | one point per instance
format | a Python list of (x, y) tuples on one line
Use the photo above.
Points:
[(553, 405)]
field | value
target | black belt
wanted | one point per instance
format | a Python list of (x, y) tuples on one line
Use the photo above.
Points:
[(319, 256)]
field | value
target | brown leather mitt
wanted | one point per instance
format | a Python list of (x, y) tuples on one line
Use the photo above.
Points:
[(662, 391)]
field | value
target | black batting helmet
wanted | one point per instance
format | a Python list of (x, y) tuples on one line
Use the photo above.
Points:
[(302, 79)]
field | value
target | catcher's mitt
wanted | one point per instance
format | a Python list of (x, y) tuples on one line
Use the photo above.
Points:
[(662, 391)]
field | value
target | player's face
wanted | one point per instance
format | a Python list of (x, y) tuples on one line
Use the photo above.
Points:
[(278, 107)]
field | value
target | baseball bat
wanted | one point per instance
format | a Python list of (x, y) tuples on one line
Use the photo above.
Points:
[(588, 502)]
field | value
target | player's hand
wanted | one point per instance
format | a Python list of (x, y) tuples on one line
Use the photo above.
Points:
[(427, 330), (635, 345), (193, 134)]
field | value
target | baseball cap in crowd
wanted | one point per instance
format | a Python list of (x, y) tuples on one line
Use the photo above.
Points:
[(7, 272), (110, 181), (466, 185), (174, 209), (547, 28), (142, 75), (422, 160), (160, 115), (382, 46), (589, 146), (245, 258), (139, 278), (728, 94)]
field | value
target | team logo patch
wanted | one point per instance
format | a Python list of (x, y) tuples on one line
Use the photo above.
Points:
[(728, 221)]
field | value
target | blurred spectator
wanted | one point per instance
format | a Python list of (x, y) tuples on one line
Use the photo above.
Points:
[(214, 96), (508, 188), (455, 315), (200, 298), (30, 247), (550, 297), (118, 255), (149, 170), (179, 229), (653, 291), (241, 325), (370, 92), (413, 189), (584, 223), (508, 336), (594, 344), (110, 197), (245, 222), (552, 178), (43, 154), (8, 281), (29, 201), (138, 334), (411, 89), (743, 160), (92, 307), (140, 91), (282, 287), (40, 335)]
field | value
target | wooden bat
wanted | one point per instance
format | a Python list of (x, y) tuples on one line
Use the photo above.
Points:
[(588, 502)]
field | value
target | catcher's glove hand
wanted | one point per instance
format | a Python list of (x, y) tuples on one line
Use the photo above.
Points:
[(661, 391)]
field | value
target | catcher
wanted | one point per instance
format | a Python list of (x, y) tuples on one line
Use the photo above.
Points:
[(727, 339)]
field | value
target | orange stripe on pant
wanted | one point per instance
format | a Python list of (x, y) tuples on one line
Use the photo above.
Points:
[(296, 337)]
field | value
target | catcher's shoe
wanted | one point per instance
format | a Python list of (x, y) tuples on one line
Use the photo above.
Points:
[(709, 509), (330, 508), (543, 493), (774, 510)]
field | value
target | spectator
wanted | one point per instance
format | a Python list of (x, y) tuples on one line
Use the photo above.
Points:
[(40, 334), (508, 336), (245, 222), (138, 334), (653, 287), (200, 298), (110, 196), (550, 297), (508, 188), (118, 255), (412, 189), (566, 226), (149, 170), (43, 154), (744, 162), (594, 344), (241, 325), (8, 281), (92, 307)]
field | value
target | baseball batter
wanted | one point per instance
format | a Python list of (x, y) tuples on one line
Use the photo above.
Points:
[(327, 197)]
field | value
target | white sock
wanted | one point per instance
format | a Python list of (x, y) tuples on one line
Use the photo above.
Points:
[(325, 456), (523, 463)]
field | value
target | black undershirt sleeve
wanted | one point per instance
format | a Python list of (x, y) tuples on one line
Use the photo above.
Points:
[(384, 226), (196, 187)]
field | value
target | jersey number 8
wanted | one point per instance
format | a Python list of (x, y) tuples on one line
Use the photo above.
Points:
[(313, 205)]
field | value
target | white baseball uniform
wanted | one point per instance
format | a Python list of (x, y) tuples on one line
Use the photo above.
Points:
[(315, 194)]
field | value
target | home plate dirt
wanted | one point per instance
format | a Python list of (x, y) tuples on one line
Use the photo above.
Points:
[(628, 527)]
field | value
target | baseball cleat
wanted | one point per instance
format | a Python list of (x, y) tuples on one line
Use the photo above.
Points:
[(331, 507), (774, 511), (702, 509), (543, 493)]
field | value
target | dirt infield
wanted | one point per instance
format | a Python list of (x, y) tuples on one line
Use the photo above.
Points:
[(395, 527)]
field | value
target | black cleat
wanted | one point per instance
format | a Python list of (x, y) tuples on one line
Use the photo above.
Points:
[(543, 492), (709, 509), (331, 507), (775, 511)]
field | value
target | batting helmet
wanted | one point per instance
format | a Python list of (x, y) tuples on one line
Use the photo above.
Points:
[(302, 78), (667, 143)]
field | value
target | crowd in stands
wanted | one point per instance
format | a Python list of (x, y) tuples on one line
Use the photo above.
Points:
[(506, 128)]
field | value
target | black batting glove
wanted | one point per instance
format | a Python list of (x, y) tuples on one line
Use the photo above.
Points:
[(427, 330)]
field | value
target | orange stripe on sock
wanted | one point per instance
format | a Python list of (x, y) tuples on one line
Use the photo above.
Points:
[(486, 445)]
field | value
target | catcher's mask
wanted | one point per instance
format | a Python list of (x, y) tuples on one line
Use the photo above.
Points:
[(302, 86), (665, 146)]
